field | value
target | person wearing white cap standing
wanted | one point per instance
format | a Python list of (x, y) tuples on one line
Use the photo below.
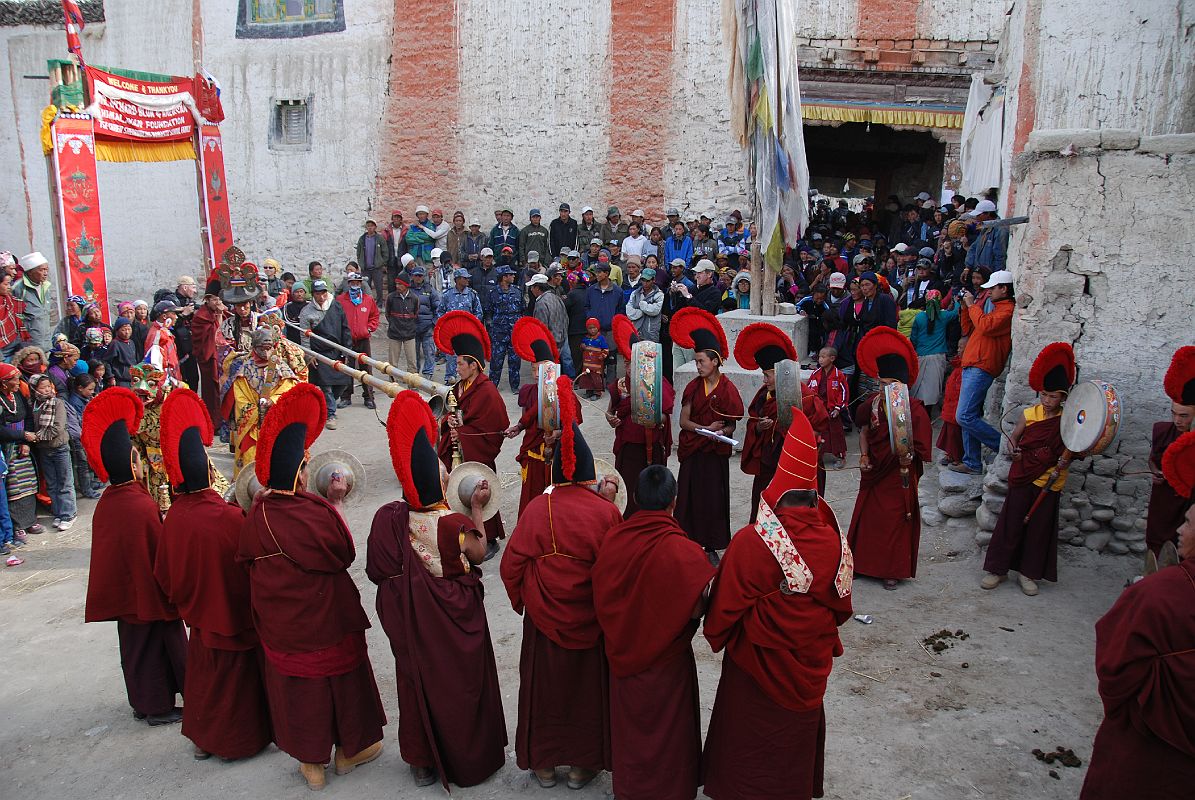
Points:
[(989, 328), (588, 230), (421, 236), (990, 250), (33, 289)]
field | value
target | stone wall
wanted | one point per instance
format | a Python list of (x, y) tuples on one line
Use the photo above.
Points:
[(1099, 267)]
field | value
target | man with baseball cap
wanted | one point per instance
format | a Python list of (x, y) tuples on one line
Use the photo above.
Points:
[(837, 287), (504, 234), (990, 250), (562, 233), (462, 297), (614, 227), (989, 327), (373, 256), (588, 230), (533, 237), (362, 314)]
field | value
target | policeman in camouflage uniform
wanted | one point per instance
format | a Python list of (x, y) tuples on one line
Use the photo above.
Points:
[(458, 297), (506, 306)]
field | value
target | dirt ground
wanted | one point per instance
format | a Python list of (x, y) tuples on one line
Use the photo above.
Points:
[(903, 722)]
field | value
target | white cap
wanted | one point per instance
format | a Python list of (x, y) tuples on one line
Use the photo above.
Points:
[(900, 247), (704, 265), (436, 253), (587, 210), (475, 221), (1000, 276), (538, 278), (638, 212), (407, 259), (487, 251), (33, 261), (985, 207), (424, 209), (923, 196), (677, 262)]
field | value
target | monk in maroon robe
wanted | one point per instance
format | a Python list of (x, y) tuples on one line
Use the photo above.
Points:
[(631, 439), (479, 426), (711, 403), (1166, 506), (306, 607), (885, 530), (563, 680), (532, 341), (782, 591), (226, 712), (950, 438), (1145, 662), (205, 324), (423, 558), (125, 530), (763, 441), (649, 586)]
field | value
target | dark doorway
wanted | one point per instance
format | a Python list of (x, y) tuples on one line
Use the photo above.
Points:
[(899, 162)]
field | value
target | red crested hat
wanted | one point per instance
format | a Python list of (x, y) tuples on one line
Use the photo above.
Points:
[(1054, 369), (797, 468), (885, 353), (186, 432), (1180, 377), (697, 329), (1178, 464), (411, 428), (761, 345), (573, 462), (291, 426), (533, 341), (625, 334), (459, 333), (109, 422)]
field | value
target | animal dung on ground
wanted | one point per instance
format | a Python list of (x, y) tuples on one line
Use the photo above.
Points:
[(1061, 755), (943, 639)]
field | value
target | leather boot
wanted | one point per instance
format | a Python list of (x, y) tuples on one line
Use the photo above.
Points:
[(346, 764), (314, 775)]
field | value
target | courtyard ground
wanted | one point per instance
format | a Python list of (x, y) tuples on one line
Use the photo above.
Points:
[(904, 722)]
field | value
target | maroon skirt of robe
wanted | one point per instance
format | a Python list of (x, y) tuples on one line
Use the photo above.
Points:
[(703, 499), (539, 475), (153, 657), (1030, 549), (564, 704), (310, 715), (1167, 508), (227, 713), (756, 750), (655, 719), (950, 441), (761, 481)]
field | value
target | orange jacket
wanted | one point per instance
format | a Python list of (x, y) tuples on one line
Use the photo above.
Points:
[(991, 336)]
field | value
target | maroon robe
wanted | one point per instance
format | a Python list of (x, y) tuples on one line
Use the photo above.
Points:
[(703, 482), (450, 707), (761, 448), (767, 731), (885, 530), (1167, 508), (647, 580), (1145, 662), (204, 326), (563, 682), (226, 712), (307, 611), (950, 438), (483, 429), (535, 457), (125, 530), (1029, 548), (630, 439)]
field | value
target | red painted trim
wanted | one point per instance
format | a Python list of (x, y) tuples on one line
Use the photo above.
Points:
[(417, 160), (641, 46), (887, 19)]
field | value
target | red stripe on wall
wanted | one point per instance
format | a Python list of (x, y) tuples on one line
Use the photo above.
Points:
[(887, 19), (639, 102), (417, 162)]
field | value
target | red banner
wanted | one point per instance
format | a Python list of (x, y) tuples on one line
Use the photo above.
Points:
[(217, 219), (81, 245), (136, 110)]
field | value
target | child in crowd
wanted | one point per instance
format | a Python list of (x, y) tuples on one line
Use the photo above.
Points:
[(594, 349), (122, 353), (51, 444), (99, 371), (833, 387), (82, 389)]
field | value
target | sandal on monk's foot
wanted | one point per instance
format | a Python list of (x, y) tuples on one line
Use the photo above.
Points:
[(424, 776), (200, 754), (580, 778), (314, 775), (546, 777), (890, 584)]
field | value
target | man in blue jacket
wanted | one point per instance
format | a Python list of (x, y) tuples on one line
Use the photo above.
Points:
[(604, 300), (990, 250), (504, 234), (429, 303)]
